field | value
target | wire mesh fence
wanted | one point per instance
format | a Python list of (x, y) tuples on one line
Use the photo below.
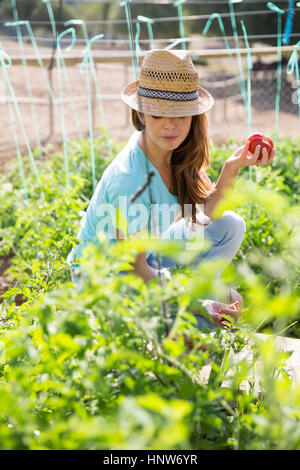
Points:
[(225, 86)]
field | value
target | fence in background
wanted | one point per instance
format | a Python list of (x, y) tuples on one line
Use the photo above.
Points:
[(42, 113)]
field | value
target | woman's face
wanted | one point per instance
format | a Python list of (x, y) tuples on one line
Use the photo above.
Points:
[(166, 132)]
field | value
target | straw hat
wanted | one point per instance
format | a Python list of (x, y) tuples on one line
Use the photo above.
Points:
[(167, 86)]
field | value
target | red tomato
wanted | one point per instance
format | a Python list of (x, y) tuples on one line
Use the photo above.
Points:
[(259, 139)]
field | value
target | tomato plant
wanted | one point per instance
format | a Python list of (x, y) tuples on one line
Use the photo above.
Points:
[(91, 367)]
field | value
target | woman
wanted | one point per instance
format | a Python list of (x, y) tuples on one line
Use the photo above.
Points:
[(168, 110)]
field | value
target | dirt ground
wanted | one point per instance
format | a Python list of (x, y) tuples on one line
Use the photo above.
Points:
[(226, 119)]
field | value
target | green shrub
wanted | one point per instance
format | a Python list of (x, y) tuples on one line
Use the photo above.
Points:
[(92, 366)]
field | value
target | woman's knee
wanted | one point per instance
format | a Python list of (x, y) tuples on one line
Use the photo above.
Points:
[(234, 223), (75, 274)]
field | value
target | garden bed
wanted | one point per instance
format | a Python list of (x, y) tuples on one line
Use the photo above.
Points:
[(77, 372)]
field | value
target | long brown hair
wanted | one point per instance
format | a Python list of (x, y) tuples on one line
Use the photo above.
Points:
[(187, 160)]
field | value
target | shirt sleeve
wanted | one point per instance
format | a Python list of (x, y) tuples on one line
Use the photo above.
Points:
[(128, 217)]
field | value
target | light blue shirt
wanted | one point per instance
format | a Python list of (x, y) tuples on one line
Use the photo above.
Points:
[(119, 182)]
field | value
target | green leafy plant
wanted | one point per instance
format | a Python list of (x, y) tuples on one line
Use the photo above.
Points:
[(102, 365)]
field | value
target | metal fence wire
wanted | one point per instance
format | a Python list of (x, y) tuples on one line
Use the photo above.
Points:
[(225, 86)]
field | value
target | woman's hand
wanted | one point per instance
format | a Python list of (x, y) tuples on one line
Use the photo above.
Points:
[(216, 310), (243, 157)]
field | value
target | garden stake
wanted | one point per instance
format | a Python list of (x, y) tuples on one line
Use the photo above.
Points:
[(138, 49), (94, 75), (26, 23), (279, 12), (249, 113), (12, 119), (175, 43), (178, 4), (65, 71), (236, 41), (293, 65), (221, 26), (289, 23), (9, 87), (27, 81), (149, 22), (205, 30), (135, 65), (85, 68), (58, 64)]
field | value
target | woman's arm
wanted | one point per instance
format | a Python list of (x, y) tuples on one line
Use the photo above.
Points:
[(226, 181), (140, 266), (242, 157)]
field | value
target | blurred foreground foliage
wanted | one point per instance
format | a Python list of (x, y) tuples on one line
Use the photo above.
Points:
[(91, 366)]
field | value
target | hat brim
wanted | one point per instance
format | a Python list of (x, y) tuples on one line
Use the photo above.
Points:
[(163, 107)]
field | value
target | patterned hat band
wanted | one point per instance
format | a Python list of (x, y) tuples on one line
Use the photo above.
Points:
[(168, 85), (168, 95)]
